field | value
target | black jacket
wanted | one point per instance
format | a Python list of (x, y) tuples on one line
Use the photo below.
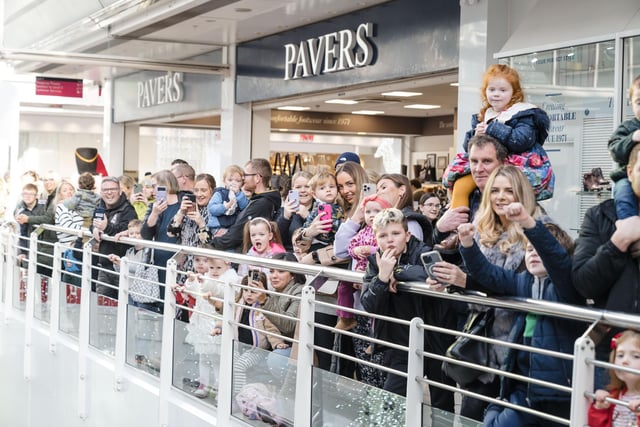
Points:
[(263, 205), (377, 299), (118, 220), (602, 272)]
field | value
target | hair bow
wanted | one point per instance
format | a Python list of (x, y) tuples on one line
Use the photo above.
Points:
[(614, 340)]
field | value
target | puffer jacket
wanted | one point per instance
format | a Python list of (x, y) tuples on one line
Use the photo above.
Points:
[(527, 127), (603, 273), (620, 145), (549, 333)]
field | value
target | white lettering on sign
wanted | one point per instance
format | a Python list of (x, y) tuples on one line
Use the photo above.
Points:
[(161, 90), (338, 51)]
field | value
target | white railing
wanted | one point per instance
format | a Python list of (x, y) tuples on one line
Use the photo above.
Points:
[(163, 384)]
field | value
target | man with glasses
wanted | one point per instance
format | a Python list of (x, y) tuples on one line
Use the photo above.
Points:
[(186, 176), (27, 207), (263, 203), (117, 214)]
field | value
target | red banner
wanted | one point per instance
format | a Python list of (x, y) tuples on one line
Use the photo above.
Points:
[(71, 88)]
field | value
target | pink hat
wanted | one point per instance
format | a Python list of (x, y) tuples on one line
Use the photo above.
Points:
[(375, 198)]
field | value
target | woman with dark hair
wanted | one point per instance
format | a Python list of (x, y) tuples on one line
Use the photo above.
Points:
[(158, 218), (396, 189), (430, 206), (189, 224), (289, 288)]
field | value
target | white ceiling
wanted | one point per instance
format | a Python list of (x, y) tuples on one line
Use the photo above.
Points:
[(176, 30)]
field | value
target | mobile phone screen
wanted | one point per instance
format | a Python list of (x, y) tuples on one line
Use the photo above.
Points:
[(192, 199), (294, 195), (161, 193), (98, 213), (137, 188)]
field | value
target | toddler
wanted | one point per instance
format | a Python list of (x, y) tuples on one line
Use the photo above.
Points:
[(85, 200), (361, 246), (202, 323), (624, 386), (620, 144), (324, 188), (227, 201), (261, 239)]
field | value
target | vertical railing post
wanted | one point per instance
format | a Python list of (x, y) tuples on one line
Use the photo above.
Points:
[(225, 383), (10, 250), (304, 375), (166, 355), (5, 262), (83, 332), (54, 297), (121, 325), (415, 369), (583, 378), (31, 291)]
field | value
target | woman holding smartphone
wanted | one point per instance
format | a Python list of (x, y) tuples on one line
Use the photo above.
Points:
[(295, 209), (159, 216)]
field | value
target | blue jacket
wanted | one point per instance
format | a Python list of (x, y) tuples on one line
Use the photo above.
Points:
[(217, 212), (549, 333)]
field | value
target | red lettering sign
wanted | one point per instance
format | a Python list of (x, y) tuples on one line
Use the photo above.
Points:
[(70, 88)]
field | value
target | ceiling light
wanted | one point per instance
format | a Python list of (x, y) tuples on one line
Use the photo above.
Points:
[(422, 106), (401, 93), (293, 108), (368, 112), (284, 130), (455, 84), (362, 133), (341, 101)]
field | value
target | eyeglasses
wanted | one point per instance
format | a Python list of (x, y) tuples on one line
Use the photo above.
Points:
[(250, 174), (432, 205), (25, 194), (110, 190)]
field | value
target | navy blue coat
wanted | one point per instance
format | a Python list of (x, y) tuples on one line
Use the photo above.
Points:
[(549, 333)]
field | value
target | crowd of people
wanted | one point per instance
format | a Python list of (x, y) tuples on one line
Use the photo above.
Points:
[(493, 236)]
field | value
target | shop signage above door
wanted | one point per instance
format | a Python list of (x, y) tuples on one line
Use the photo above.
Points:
[(165, 89), (329, 53), (71, 88)]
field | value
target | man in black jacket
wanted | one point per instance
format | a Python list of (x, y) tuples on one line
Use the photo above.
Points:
[(264, 203), (117, 214), (605, 260)]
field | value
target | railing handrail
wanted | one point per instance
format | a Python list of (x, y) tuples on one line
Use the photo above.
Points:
[(523, 304)]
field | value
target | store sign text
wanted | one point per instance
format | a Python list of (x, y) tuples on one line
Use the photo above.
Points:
[(337, 51), (161, 90)]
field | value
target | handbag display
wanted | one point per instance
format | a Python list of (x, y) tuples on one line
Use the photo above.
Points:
[(145, 282), (470, 350)]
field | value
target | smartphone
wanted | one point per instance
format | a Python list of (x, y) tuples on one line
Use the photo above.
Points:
[(428, 261), (295, 196), (137, 188), (254, 275), (98, 213), (192, 199), (368, 189), (324, 212), (161, 193)]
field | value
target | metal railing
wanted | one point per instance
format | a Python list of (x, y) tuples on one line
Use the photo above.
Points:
[(583, 358)]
